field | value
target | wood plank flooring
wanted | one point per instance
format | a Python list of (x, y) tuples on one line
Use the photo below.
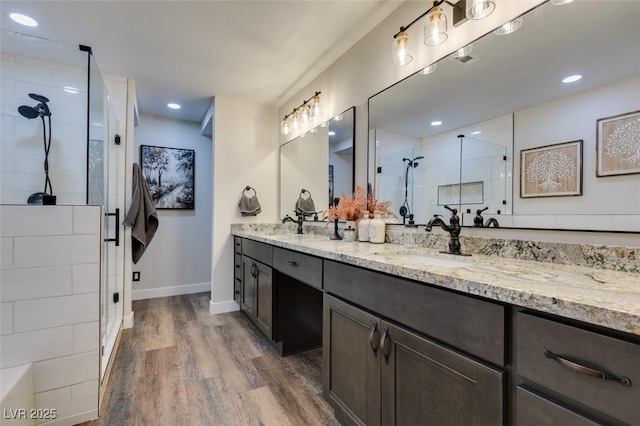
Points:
[(179, 365)]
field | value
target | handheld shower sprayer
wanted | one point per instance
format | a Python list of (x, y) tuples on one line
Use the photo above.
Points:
[(41, 110)]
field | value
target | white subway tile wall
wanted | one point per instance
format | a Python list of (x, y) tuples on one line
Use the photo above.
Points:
[(49, 289), (21, 149)]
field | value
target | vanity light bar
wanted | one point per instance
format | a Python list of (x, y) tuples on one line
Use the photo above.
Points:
[(304, 112), (435, 31)]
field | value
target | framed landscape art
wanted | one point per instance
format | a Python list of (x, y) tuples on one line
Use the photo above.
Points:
[(169, 173)]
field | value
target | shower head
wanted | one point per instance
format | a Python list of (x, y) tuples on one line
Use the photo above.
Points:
[(40, 110), (28, 112), (38, 98)]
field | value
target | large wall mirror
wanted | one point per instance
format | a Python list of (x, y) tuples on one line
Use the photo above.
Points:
[(455, 134), (321, 162)]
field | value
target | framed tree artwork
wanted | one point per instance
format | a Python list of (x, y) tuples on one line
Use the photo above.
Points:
[(551, 170), (169, 174), (618, 145)]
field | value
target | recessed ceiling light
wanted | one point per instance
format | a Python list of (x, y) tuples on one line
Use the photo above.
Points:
[(509, 27), (23, 19), (572, 78), (477, 132), (436, 123), (332, 133), (173, 106), (338, 117), (431, 68), (560, 2), (70, 89)]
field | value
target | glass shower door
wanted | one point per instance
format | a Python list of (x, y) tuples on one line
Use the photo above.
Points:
[(99, 192)]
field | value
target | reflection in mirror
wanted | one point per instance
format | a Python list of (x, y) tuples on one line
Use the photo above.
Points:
[(320, 162), (510, 89)]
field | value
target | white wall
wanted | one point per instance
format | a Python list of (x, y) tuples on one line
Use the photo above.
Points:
[(49, 294), (574, 118), (178, 260), (245, 143)]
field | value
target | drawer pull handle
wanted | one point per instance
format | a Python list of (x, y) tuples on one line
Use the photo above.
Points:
[(572, 365), (385, 346), (373, 339), (293, 263)]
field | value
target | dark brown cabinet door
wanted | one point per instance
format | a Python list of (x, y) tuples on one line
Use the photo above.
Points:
[(264, 302), (424, 383), (248, 303), (351, 370), (237, 278)]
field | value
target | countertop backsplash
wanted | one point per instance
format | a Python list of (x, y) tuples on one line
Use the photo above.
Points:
[(608, 257)]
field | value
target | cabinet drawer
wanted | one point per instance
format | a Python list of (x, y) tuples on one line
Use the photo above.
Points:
[(585, 349), (259, 251), (534, 410), (472, 325), (237, 244), (237, 266), (302, 267)]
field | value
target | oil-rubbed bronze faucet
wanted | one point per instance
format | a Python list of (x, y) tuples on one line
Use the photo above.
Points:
[(300, 221), (478, 220), (453, 229)]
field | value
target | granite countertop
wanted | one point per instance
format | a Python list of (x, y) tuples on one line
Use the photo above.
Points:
[(606, 298)]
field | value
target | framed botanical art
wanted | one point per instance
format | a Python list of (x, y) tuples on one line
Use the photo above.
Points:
[(169, 173), (551, 170), (618, 145)]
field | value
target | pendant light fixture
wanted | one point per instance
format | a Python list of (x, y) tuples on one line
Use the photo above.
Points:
[(302, 115), (478, 9), (435, 27), (400, 48)]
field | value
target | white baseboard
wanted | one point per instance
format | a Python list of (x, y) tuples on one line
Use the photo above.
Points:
[(177, 290), (127, 320), (222, 307)]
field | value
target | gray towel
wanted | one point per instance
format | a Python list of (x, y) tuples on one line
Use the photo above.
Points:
[(249, 206), (142, 216), (305, 206)]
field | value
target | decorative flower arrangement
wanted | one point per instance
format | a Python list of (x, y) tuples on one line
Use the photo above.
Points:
[(376, 207), (351, 209)]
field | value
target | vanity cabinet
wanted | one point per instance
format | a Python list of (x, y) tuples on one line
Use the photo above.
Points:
[(256, 294), (583, 370), (237, 270), (376, 372)]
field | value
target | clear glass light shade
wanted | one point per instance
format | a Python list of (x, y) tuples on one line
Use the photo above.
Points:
[(509, 27), (435, 27), (461, 53), (478, 9), (316, 106), (305, 113), (295, 121), (401, 53), (285, 127)]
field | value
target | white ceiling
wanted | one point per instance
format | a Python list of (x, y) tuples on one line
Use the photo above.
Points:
[(190, 51)]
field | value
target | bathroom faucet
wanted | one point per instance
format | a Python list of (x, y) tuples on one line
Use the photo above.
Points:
[(300, 221), (453, 229), (478, 220)]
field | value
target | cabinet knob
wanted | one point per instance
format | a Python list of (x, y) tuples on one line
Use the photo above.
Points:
[(373, 339), (294, 264)]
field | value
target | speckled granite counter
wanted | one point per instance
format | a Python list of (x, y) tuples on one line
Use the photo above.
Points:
[(596, 296)]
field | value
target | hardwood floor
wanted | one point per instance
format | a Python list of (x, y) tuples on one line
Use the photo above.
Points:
[(179, 365)]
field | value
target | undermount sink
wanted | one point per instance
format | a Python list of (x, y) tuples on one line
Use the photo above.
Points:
[(421, 259)]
